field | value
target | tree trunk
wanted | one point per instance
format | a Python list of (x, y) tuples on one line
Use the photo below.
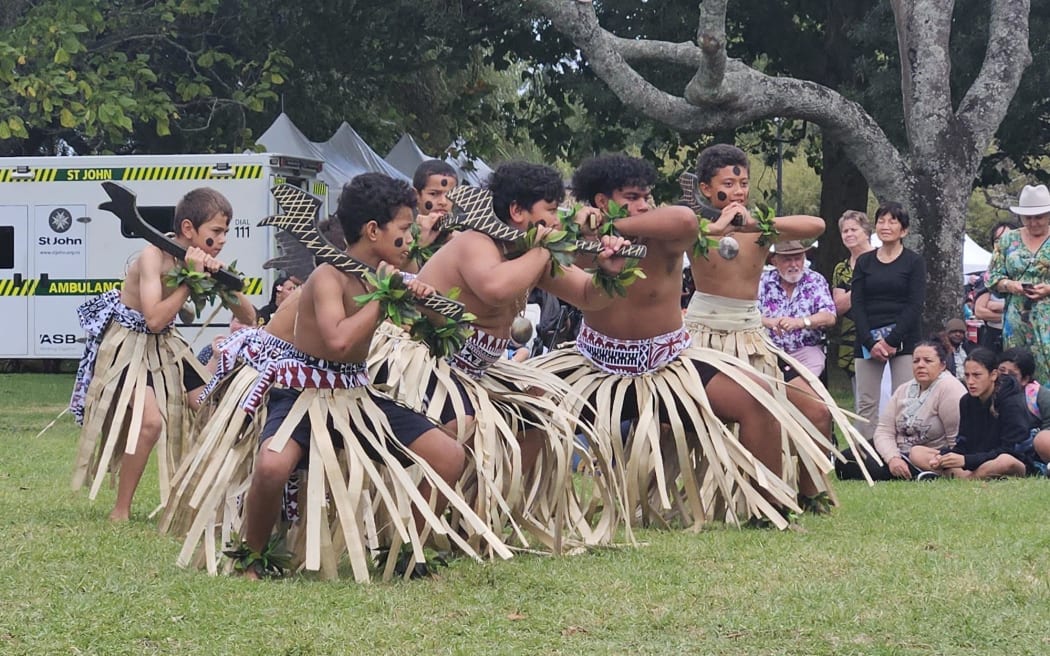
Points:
[(842, 188)]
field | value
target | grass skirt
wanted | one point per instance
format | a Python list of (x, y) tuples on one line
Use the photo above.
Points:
[(541, 509), (699, 471), (356, 505), (732, 329), (116, 397)]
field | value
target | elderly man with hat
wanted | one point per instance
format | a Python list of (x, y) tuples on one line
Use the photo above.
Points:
[(955, 331), (1020, 271), (796, 307)]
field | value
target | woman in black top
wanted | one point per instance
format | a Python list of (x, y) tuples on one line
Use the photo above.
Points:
[(993, 420), (889, 289)]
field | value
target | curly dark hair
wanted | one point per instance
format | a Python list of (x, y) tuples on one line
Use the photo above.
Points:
[(525, 184), (429, 168), (936, 342), (716, 157), (371, 197), (605, 174)]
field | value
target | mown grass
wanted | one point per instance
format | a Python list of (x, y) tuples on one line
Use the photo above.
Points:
[(903, 568)]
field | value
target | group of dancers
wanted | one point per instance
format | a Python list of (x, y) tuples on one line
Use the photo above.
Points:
[(360, 422)]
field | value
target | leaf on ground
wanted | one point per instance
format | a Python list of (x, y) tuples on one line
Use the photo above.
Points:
[(573, 630), (515, 617)]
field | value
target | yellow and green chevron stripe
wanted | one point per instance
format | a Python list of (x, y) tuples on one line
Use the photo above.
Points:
[(85, 286), (136, 173)]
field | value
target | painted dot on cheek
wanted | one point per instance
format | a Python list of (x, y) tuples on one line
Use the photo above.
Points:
[(722, 196), (399, 242), (209, 242), (736, 170), (428, 205)]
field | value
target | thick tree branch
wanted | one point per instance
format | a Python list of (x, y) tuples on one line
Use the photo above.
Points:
[(923, 32), (636, 50), (706, 84), (750, 96), (982, 108)]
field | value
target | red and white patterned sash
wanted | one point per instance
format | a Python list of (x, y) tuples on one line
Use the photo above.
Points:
[(631, 357), (254, 347), (479, 353), (301, 371)]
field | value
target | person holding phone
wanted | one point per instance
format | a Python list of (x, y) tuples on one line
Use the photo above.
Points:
[(1020, 270)]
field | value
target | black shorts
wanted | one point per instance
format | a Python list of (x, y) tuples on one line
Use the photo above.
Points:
[(406, 425), (448, 411), (190, 378), (789, 372)]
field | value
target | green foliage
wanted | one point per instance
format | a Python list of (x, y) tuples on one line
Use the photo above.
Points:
[(616, 285), (203, 288), (559, 243), (396, 301), (272, 562), (443, 336), (102, 75)]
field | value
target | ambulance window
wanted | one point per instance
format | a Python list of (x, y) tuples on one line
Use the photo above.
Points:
[(160, 218), (7, 247)]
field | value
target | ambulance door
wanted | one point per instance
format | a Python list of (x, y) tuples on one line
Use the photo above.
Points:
[(59, 250), (14, 277)]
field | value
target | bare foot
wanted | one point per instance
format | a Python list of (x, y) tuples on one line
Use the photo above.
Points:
[(119, 516)]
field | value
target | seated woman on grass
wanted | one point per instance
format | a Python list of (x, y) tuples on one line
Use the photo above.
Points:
[(993, 420), (924, 411), (1019, 363)]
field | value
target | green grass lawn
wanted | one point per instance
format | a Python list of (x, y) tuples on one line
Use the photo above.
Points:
[(902, 568)]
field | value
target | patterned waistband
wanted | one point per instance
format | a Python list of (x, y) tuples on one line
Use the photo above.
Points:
[(301, 371), (94, 315), (631, 357), (254, 347), (479, 353)]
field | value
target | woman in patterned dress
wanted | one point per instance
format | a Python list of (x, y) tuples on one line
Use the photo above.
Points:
[(1020, 270)]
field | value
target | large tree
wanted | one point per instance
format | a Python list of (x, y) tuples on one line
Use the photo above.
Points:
[(932, 174), (103, 76)]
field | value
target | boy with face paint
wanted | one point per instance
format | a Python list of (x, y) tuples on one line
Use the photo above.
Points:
[(220, 467), (433, 180), (509, 414), (724, 309), (633, 360), (136, 367), (322, 399)]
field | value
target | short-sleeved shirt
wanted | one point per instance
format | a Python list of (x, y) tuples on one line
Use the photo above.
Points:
[(811, 295)]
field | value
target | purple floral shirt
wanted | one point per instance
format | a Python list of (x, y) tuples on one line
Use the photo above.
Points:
[(811, 295)]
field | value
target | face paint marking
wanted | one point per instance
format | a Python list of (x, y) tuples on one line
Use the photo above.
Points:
[(399, 242), (444, 182), (209, 242), (428, 205), (736, 170), (722, 196)]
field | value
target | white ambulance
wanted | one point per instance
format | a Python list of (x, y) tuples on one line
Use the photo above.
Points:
[(57, 249)]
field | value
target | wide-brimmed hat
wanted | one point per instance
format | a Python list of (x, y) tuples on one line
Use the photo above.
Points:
[(1033, 201), (793, 247)]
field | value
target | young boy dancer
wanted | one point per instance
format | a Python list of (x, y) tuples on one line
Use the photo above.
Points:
[(136, 368), (522, 442), (322, 397), (433, 180), (633, 360), (723, 313)]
